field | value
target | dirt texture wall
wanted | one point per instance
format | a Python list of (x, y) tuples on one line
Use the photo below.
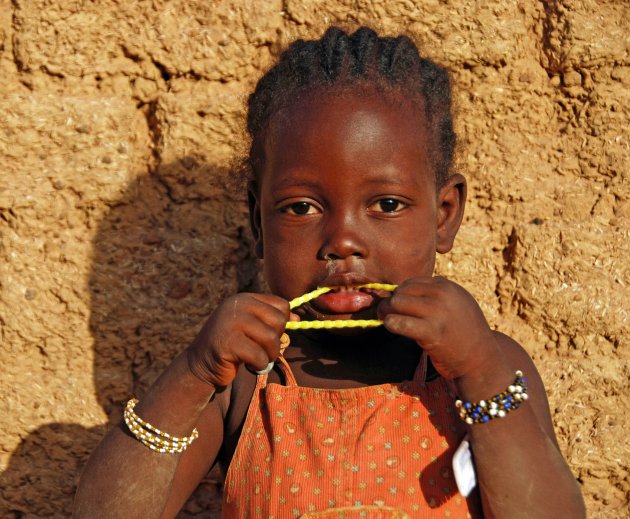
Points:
[(122, 223)]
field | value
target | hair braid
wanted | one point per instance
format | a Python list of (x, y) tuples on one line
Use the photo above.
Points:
[(334, 47), (364, 47), (341, 59)]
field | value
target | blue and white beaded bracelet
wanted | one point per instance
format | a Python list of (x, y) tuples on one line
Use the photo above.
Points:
[(496, 407)]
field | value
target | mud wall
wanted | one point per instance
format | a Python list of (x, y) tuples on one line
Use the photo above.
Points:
[(122, 225)]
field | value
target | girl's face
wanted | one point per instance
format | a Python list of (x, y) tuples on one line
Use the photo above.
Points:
[(347, 196)]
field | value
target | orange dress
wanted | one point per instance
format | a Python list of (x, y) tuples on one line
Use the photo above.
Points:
[(378, 452)]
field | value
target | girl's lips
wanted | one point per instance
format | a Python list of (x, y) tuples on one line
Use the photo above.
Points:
[(345, 300)]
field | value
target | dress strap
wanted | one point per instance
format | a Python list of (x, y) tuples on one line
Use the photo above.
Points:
[(420, 375), (282, 365)]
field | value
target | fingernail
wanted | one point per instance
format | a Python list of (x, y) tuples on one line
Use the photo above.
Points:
[(264, 371)]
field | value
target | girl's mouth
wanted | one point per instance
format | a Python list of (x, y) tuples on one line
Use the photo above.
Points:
[(346, 300)]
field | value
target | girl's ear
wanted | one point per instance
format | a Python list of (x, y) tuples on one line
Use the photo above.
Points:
[(255, 218), (450, 211)]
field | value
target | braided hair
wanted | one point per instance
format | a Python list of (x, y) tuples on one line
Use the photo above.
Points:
[(362, 58)]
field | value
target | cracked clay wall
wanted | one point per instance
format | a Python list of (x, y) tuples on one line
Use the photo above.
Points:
[(122, 225)]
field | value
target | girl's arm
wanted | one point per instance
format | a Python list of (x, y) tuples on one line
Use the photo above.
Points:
[(123, 477), (520, 470)]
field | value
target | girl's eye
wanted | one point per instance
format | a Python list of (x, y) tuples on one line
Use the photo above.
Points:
[(388, 205), (299, 208)]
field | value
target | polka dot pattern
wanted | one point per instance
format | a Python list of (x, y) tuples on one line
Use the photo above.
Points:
[(377, 452)]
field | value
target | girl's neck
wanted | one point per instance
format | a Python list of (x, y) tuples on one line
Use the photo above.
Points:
[(330, 360)]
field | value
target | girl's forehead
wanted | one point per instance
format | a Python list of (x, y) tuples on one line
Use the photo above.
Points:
[(373, 123), (323, 107), (366, 139)]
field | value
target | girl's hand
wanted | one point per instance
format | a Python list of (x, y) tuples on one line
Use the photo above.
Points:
[(447, 323), (244, 329)]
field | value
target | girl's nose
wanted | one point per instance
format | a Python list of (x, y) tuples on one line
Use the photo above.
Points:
[(343, 239)]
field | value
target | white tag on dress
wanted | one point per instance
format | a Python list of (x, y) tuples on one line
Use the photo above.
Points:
[(463, 468)]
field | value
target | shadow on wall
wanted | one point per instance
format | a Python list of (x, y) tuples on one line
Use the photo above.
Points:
[(162, 261)]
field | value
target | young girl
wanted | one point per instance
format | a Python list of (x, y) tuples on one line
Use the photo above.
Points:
[(351, 189)]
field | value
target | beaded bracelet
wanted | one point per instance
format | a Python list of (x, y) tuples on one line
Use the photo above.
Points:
[(496, 407), (152, 437), (347, 323)]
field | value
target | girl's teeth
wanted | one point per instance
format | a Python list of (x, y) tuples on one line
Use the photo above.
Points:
[(346, 289)]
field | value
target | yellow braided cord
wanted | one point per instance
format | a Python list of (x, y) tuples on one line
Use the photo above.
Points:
[(299, 301), (350, 323)]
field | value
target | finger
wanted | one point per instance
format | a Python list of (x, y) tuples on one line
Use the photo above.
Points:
[(421, 285), (265, 336), (265, 371), (424, 280), (415, 305), (415, 328), (272, 300), (251, 354), (267, 313)]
